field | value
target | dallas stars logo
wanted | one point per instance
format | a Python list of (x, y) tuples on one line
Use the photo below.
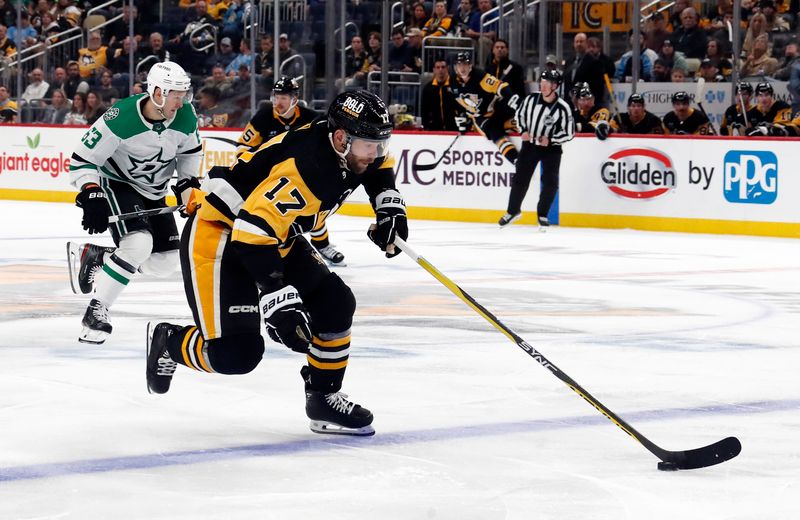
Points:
[(148, 168)]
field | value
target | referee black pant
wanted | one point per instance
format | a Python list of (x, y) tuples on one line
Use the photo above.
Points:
[(529, 157)]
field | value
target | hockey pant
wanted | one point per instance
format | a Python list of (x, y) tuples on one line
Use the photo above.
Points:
[(227, 338), (530, 156)]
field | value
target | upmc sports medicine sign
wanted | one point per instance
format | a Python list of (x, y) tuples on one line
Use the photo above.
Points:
[(638, 173)]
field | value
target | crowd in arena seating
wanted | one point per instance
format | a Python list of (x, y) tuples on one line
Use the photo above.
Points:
[(685, 42)]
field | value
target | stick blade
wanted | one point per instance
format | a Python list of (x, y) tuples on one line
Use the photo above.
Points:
[(710, 455)]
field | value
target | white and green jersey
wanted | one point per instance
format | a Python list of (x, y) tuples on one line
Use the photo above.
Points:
[(123, 146)]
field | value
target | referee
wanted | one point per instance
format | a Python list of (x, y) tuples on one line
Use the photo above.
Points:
[(546, 122)]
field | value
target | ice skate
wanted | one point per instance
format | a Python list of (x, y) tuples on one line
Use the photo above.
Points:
[(332, 256), (160, 366), (333, 413), (508, 218), (84, 261), (544, 223), (96, 327)]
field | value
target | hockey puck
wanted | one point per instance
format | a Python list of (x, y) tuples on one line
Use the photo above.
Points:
[(667, 466)]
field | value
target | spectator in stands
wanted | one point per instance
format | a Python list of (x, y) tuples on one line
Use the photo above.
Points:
[(440, 23), (464, 16), (438, 104), (483, 44), (757, 27), (58, 109), (775, 23), (218, 80), (224, 56), (93, 57), (656, 32), (399, 57), (156, 49), (37, 88), (791, 57), (120, 62), (584, 67), (719, 29), (28, 35), (714, 54), (117, 30), (759, 62), (419, 15), (265, 58), (373, 61), (595, 47), (709, 72), (678, 75), (138, 88), (67, 14), (232, 21), (355, 57), (94, 108), (108, 93), (7, 47), (285, 51), (76, 115), (506, 70), (661, 72), (240, 88), (58, 80), (195, 35), (624, 71), (8, 107), (211, 114), (74, 83), (216, 9), (794, 87), (245, 57), (675, 14), (414, 37), (689, 38), (8, 14), (672, 58)]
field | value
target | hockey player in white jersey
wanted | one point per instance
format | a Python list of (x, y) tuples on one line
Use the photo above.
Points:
[(123, 164)]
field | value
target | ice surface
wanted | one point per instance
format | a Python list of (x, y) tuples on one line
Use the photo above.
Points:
[(690, 338)]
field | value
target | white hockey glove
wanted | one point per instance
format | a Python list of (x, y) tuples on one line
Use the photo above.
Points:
[(287, 319)]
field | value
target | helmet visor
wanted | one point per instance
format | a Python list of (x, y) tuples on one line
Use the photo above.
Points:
[(368, 148)]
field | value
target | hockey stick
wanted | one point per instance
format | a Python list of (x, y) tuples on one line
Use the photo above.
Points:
[(698, 95), (144, 213), (710, 455), (611, 93), (426, 167)]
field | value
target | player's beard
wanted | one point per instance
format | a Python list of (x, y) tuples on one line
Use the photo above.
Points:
[(357, 165)]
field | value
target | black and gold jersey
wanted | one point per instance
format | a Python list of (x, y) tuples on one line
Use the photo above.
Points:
[(780, 112), (266, 124), (586, 121), (696, 124), (733, 116), (650, 124), (478, 95), (285, 188)]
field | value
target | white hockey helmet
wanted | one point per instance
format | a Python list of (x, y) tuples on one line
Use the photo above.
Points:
[(168, 76)]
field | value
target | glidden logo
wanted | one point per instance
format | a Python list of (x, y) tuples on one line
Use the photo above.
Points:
[(638, 173)]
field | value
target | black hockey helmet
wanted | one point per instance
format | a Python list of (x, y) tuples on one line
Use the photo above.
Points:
[(286, 85), (585, 92), (577, 87), (744, 86), (636, 99), (464, 57), (765, 87), (553, 76), (361, 114), (681, 97)]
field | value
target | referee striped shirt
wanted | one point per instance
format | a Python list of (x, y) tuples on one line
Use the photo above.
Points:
[(540, 119)]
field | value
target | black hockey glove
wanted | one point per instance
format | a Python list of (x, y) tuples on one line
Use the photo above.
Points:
[(184, 192), (602, 129), (95, 208), (390, 220), (758, 130), (463, 124), (777, 131), (287, 319)]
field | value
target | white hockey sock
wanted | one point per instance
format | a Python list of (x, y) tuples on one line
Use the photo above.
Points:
[(112, 279)]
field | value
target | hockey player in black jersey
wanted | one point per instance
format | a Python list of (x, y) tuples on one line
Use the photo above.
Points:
[(684, 119), (487, 105), (735, 121), (590, 118), (279, 115), (244, 249), (637, 120), (770, 116)]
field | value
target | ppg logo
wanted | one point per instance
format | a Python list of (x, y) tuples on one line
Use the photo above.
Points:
[(751, 177)]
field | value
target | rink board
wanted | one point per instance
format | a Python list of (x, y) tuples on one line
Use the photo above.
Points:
[(708, 185)]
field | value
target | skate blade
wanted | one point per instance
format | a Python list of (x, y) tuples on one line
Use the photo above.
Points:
[(94, 337), (331, 263), (543, 229), (149, 340), (325, 427), (73, 264), (513, 219)]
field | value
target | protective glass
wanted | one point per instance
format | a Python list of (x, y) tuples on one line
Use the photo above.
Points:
[(368, 148)]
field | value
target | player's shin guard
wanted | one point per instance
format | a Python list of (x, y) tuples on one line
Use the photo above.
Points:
[(507, 149)]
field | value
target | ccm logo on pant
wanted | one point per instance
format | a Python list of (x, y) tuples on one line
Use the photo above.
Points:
[(237, 309)]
